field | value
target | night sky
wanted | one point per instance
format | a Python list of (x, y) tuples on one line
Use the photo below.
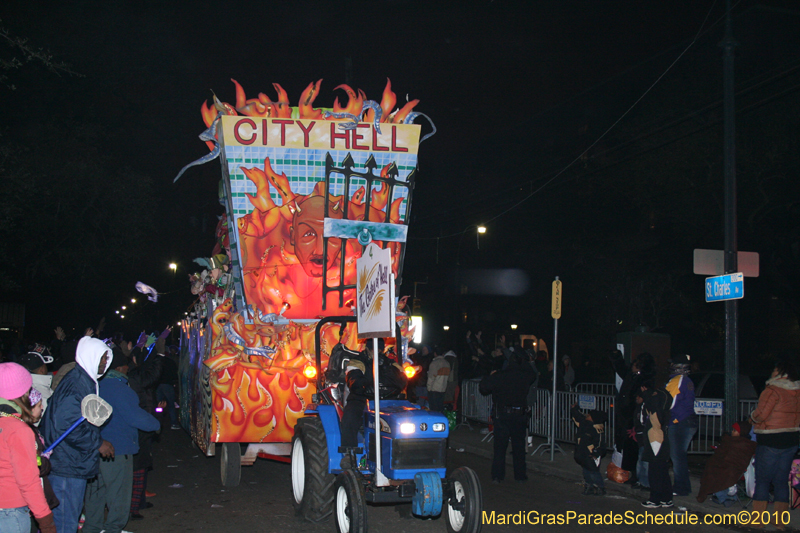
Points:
[(517, 90)]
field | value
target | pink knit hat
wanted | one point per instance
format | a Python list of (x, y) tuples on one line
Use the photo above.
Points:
[(15, 381)]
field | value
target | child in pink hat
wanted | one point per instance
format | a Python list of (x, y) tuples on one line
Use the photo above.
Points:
[(21, 491)]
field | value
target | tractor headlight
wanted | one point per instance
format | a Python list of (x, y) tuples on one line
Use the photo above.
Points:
[(439, 426), (406, 428)]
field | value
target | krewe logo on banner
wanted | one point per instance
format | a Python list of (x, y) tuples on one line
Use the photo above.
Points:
[(375, 293)]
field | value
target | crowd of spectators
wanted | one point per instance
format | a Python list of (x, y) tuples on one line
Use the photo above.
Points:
[(94, 474)]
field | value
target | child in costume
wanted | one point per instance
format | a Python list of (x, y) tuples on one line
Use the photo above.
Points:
[(657, 402), (588, 448)]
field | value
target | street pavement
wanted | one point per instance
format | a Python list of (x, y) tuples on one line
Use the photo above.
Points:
[(190, 496)]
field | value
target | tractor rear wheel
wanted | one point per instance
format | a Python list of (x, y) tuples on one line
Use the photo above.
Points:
[(312, 485)]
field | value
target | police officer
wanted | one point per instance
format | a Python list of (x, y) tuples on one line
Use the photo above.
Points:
[(509, 389)]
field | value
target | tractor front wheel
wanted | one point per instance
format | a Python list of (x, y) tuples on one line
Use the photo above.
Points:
[(351, 507), (464, 506)]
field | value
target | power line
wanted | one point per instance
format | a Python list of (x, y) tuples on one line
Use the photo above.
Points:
[(582, 154), (758, 81)]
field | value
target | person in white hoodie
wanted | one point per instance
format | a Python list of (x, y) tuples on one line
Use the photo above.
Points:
[(77, 458), (438, 377)]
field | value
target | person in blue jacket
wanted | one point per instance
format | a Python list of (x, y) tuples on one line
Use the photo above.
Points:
[(113, 486), (77, 458)]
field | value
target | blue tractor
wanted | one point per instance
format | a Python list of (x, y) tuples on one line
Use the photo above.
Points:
[(410, 467)]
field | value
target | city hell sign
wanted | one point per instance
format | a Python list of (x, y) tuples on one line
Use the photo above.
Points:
[(375, 293)]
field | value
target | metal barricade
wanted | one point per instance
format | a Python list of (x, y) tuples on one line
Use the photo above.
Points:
[(607, 389), (746, 407), (539, 422), (710, 427), (709, 430), (475, 406), (566, 430)]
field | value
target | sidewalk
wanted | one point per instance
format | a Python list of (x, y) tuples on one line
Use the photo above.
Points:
[(470, 440)]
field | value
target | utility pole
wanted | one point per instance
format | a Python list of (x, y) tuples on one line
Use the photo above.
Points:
[(728, 44)]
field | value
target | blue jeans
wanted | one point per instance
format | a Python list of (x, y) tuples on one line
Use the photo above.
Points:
[(422, 396), (593, 477), (166, 393), (436, 401), (642, 469), (69, 491), (773, 466), (724, 498), (15, 520), (680, 436)]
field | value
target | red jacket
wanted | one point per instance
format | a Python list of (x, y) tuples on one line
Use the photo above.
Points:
[(778, 408), (19, 474)]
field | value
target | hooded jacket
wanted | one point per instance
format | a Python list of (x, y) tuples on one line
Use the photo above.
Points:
[(438, 374), (778, 409), (77, 455)]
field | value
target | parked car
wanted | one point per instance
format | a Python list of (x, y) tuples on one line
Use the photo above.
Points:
[(712, 385)]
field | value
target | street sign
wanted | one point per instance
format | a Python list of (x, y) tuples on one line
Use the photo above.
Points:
[(556, 307), (712, 263), (727, 287)]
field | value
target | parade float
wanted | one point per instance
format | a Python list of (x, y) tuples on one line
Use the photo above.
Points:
[(304, 191)]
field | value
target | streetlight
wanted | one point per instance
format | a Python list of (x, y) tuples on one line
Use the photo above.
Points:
[(124, 308), (446, 328), (122, 316), (117, 311), (133, 300), (173, 267), (481, 231), (513, 326)]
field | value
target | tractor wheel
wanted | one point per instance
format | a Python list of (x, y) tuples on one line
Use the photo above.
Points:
[(312, 485), (463, 508), (231, 464), (351, 507)]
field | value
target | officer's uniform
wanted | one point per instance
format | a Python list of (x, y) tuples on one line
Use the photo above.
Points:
[(509, 390)]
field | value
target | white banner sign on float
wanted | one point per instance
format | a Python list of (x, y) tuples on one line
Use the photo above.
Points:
[(375, 293), (375, 314)]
